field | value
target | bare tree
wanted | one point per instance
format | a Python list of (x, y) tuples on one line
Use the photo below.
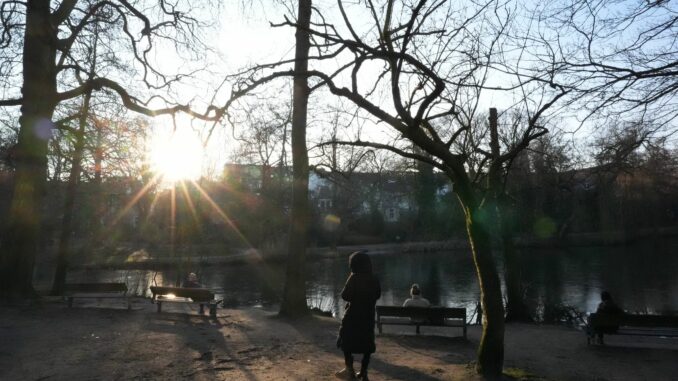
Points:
[(618, 57), (419, 69), (41, 45), (338, 165), (294, 293), (8, 138), (69, 202), (263, 139)]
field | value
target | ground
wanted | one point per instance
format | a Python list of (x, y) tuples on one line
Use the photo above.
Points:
[(106, 342)]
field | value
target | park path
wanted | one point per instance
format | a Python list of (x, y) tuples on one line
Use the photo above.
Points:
[(91, 342)]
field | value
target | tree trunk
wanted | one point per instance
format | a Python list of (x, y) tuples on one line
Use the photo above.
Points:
[(516, 310), (265, 208), (97, 192), (69, 202), (22, 231), (491, 348), (294, 294), (425, 194)]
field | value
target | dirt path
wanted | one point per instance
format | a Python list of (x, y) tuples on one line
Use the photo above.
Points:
[(53, 342)]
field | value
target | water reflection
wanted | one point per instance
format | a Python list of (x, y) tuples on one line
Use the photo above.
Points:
[(641, 278)]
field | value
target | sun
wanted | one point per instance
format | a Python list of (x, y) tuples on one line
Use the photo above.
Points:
[(177, 156)]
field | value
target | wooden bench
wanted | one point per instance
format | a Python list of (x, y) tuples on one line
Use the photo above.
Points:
[(632, 325), (421, 316), (96, 291), (200, 296)]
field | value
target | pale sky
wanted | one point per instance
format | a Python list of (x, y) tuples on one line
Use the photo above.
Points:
[(243, 37)]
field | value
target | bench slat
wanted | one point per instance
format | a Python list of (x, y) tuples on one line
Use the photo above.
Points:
[(429, 312), (97, 296), (446, 323), (631, 320), (632, 325), (71, 288), (200, 296), (197, 294), (421, 317), (96, 291)]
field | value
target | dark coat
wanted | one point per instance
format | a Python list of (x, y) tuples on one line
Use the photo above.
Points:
[(362, 289), (608, 307), (191, 284)]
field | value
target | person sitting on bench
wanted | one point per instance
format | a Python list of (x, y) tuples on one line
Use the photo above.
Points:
[(416, 300), (609, 307), (191, 282)]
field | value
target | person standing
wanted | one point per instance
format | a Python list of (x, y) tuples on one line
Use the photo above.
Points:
[(356, 334)]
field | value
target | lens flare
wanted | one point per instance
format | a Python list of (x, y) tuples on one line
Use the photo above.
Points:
[(177, 157)]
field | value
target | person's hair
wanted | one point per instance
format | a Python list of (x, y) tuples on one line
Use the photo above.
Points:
[(360, 263), (415, 290), (605, 296)]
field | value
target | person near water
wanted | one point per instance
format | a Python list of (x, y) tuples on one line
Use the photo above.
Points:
[(415, 299), (356, 334), (191, 281), (607, 310)]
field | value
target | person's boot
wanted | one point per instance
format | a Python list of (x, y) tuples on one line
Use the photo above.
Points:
[(346, 374), (362, 375)]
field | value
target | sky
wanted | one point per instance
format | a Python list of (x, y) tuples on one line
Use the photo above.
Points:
[(240, 36), (244, 37)]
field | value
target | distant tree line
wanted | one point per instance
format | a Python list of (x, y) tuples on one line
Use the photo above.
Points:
[(628, 185)]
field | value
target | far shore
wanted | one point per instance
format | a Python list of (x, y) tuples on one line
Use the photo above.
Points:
[(131, 256), (97, 340)]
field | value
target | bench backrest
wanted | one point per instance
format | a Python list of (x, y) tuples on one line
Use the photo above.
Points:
[(432, 313), (71, 288), (197, 294), (601, 319)]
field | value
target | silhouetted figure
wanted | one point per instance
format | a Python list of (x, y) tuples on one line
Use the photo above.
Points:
[(606, 307), (416, 300), (356, 334), (191, 281)]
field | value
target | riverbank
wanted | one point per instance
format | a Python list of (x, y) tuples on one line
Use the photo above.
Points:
[(52, 342), (130, 257), (142, 259)]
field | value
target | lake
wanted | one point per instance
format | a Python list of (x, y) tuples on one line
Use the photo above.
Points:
[(642, 278)]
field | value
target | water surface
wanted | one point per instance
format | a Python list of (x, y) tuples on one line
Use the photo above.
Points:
[(642, 278)]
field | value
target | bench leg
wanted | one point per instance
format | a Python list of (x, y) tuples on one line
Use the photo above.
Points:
[(213, 310), (464, 331), (418, 329), (379, 327), (159, 306), (70, 302), (202, 309), (129, 304)]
